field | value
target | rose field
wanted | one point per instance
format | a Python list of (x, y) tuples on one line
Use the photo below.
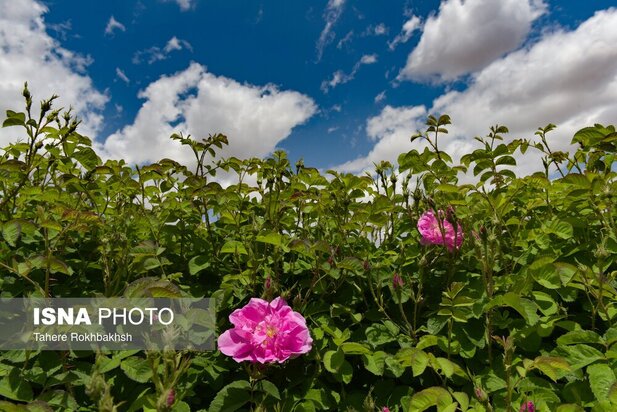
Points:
[(433, 284)]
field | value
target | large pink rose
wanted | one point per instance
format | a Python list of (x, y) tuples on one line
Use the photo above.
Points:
[(265, 332), (428, 225)]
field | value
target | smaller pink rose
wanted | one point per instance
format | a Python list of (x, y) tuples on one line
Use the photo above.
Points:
[(432, 234)]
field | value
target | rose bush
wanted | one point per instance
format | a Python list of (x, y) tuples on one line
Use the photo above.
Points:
[(522, 311)]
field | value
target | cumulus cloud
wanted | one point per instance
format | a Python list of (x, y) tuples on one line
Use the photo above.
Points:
[(466, 36), (255, 118), (28, 53), (568, 78), (333, 12), (340, 77), (112, 25), (156, 53), (409, 27)]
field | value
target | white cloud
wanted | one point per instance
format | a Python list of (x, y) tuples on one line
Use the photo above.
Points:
[(112, 25), (185, 5), (409, 27), (468, 35), (380, 29), (380, 97), (376, 30), (340, 77), (122, 76), (28, 53), (255, 118), (155, 53), (345, 40), (177, 44), (333, 12), (568, 78), (368, 59)]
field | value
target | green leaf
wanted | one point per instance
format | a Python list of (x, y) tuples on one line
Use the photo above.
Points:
[(559, 228), (87, 157), (305, 406), (578, 356), (11, 231), (15, 387), (612, 394), (570, 407), (333, 360), (434, 396), (198, 263), (272, 238), (601, 379), (526, 308), (588, 136), (375, 363), (463, 399), (345, 373), (137, 369), (269, 388), (579, 336), (354, 348), (551, 366), (232, 397), (14, 119), (234, 247)]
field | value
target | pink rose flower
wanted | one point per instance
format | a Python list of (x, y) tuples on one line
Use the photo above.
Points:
[(528, 406), (385, 409), (265, 332), (397, 281), (428, 225)]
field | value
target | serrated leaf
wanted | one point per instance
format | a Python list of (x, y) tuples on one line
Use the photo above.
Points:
[(137, 369), (551, 366), (87, 157), (14, 386), (601, 379), (333, 360), (198, 263), (232, 397), (269, 388), (434, 396), (234, 247), (11, 231), (579, 336), (354, 348)]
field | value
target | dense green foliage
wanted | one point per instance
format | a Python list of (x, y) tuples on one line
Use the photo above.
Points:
[(524, 310)]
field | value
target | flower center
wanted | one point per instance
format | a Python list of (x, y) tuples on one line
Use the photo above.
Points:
[(270, 331)]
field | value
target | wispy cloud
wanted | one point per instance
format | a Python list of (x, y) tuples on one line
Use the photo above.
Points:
[(113, 25), (376, 30), (380, 97), (345, 40), (184, 5), (122, 76), (340, 77), (156, 53), (331, 15), (409, 27)]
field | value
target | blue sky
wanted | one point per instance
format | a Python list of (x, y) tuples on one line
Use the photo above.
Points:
[(340, 83)]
